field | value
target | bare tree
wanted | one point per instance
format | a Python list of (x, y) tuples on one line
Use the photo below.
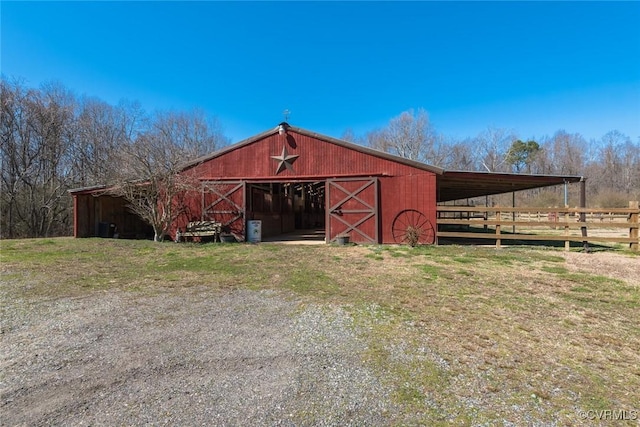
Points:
[(410, 135), (53, 141), (100, 130), (36, 130), (377, 139), (151, 182), (439, 153), (460, 156), (13, 152), (150, 176), (491, 147), (615, 171), (407, 134), (563, 154), (349, 136), (193, 133)]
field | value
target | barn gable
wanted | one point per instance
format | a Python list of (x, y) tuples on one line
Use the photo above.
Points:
[(310, 155)]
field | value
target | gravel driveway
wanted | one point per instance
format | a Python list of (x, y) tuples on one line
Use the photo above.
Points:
[(197, 358)]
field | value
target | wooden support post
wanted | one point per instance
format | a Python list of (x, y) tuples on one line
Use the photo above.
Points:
[(583, 215), (271, 194), (76, 215), (486, 213), (513, 214), (498, 219), (634, 222), (567, 243)]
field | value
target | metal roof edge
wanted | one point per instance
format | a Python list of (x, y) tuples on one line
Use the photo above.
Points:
[(88, 189), (368, 150), (227, 149), (574, 178)]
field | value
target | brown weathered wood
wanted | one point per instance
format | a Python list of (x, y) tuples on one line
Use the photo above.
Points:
[(570, 224), (583, 204), (634, 218), (567, 243), (492, 236), (535, 210), (200, 229), (498, 241), (583, 223)]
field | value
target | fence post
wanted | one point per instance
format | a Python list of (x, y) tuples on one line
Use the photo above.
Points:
[(567, 243), (513, 214), (633, 221), (498, 219), (583, 215)]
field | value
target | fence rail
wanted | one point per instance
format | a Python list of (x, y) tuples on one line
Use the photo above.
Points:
[(568, 220)]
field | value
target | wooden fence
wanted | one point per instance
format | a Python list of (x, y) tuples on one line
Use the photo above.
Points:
[(541, 224)]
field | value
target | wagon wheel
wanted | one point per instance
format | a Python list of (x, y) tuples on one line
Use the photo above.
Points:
[(412, 227)]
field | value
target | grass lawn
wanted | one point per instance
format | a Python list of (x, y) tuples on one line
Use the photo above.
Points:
[(464, 335)]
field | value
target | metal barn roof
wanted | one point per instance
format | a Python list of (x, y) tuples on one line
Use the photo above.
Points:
[(456, 185)]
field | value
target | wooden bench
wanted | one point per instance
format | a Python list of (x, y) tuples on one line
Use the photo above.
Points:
[(200, 230)]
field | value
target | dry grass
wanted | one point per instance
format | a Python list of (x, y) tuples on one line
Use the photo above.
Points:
[(468, 335)]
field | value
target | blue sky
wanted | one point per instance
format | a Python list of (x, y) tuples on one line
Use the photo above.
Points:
[(534, 67)]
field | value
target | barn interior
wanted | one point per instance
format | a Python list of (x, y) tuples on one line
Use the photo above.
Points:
[(101, 215), (287, 207)]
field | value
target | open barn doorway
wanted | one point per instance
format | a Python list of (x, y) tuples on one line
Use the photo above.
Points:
[(288, 211)]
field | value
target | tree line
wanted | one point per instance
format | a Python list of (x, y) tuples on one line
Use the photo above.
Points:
[(611, 164), (54, 140)]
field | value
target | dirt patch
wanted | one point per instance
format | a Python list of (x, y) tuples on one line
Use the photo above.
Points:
[(607, 264)]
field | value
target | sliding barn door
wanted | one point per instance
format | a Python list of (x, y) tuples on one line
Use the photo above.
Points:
[(352, 208)]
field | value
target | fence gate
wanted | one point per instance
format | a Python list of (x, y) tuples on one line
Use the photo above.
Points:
[(352, 208), (224, 201)]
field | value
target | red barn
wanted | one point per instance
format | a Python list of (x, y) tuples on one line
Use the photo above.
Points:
[(291, 178)]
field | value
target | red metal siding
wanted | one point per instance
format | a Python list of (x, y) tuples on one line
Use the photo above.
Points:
[(400, 186), (406, 192), (317, 158)]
